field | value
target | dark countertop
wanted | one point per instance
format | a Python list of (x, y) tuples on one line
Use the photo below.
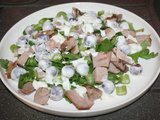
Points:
[(145, 108)]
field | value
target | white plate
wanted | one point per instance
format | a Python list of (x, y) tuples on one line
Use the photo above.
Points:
[(139, 85)]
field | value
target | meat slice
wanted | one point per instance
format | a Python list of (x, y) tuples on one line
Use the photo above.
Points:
[(100, 73), (42, 95), (16, 52), (23, 58), (129, 41), (51, 44), (76, 12), (27, 88), (92, 92), (113, 68), (11, 66), (75, 49), (102, 59), (50, 33), (122, 56), (68, 44), (81, 103), (142, 38), (127, 32), (115, 17), (79, 28), (119, 63), (110, 33)]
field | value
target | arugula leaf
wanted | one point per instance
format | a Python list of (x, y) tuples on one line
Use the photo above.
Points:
[(78, 79), (4, 63), (70, 56), (67, 99), (27, 77), (144, 45), (132, 28), (31, 43), (105, 45), (103, 27), (146, 55), (114, 39), (31, 63), (14, 47), (114, 78), (135, 56), (143, 54), (24, 32), (96, 31)]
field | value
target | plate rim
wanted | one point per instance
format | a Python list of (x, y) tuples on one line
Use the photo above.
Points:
[(117, 107)]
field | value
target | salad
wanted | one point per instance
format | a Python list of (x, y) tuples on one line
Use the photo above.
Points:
[(77, 56)]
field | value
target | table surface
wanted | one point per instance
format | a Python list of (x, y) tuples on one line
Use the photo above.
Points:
[(145, 108)]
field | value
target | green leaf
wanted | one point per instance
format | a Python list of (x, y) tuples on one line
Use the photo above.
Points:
[(44, 20), (132, 28), (14, 47), (67, 99), (144, 45), (70, 56), (4, 63), (97, 31), (104, 26), (61, 13), (135, 56), (146, 55), (27, 77), (114, 39), (31, 64), (38, 27), (114, 78), (105, 45), (31, 43), (100, 13), (24, 32)]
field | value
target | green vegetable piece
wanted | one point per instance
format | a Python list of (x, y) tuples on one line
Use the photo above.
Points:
[(135, 56), (27, 77), (62, 14), (100, 13), (32, 62), (44, 20), (91, 68), (114, 39), (4, 63), (24, 32), (14, 47), (58, 79), (31, 43), (67, 99), (114, 78), (82, 48), (38, 27), (57, 57), (121, 90), (146, 55), (124, 79), (104, 26), (97, 31), (104, 46), (90, 79), (70, 56), (132, 28), (144, 45), (73, 87), (88, 58)]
